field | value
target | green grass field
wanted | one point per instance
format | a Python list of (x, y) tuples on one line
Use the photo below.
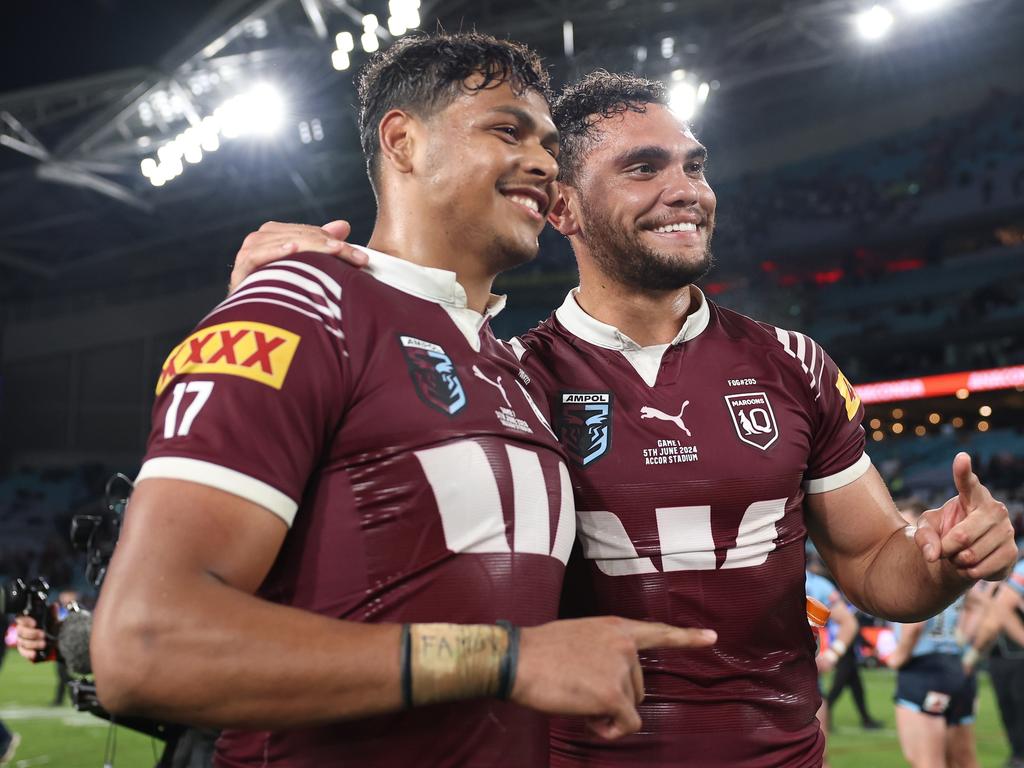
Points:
[(63, 738)]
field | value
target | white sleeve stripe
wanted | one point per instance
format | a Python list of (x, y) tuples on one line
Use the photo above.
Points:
[(284, 276), (329, 282), (221, 478), (805, 343), (839, 479), (328, 311), (517, 347), (801, 348), (783, 337), (292, 307)]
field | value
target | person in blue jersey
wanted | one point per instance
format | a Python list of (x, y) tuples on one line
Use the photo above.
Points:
[(824, 591), (935, 696), (1003, 624)]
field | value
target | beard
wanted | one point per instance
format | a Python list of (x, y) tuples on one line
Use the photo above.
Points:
[(624, 256)]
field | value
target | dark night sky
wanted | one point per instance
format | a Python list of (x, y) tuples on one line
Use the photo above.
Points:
[(46, 41)]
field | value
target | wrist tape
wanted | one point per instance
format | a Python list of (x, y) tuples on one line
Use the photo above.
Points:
[(452, 662)]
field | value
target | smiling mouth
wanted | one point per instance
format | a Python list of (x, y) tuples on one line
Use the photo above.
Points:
[(527, 203), (680, 227)]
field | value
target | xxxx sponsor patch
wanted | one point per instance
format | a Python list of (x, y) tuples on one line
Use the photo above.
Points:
[(849, 394), (255, 351)]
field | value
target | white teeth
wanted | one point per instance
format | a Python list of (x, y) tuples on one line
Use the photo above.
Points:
[(529, 202), (684, 227)]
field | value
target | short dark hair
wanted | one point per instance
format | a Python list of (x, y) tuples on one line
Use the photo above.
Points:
[(583, 104), (425, 73)]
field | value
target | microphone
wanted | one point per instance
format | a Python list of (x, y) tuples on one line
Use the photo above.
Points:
[(73, 642)]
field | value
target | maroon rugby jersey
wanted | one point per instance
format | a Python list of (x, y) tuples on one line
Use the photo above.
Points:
[(690, 462), (379, 418)]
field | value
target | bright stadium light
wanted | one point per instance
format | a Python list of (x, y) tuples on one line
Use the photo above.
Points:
[(682, 99), (369, 39), (257, 112), (923, 6), (345, 42), (404, 15), (874, 23), (340, 60)]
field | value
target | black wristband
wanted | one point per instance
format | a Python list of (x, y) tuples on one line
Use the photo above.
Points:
[(405, 654), (510, 662)]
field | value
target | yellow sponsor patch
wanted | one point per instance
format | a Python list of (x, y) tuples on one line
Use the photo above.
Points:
[(849, 395), (254, 351)]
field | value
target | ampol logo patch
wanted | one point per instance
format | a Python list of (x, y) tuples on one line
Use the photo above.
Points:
[(583, 424), (753, 418), (255, 351), (433, 375)]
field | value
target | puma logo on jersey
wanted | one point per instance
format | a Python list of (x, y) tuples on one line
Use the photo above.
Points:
[(647, 412), (497, 384)]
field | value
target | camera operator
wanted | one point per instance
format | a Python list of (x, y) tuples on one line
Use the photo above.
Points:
[(65, 638)]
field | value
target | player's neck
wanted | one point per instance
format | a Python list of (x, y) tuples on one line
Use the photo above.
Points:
[(432, 246), (647, 317)]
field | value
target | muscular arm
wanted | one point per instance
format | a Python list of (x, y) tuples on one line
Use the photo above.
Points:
[(178, 633), (861, 537)]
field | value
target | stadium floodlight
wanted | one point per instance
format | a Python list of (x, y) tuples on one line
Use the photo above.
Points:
[(258, 112), (340, 60), (369, 39), (395, 26), (923, 6), (345, 42), (874, 23), (682, 99)]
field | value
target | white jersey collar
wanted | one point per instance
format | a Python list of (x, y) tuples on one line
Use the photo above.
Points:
[(579, 323), (436, 285), (430, 283)]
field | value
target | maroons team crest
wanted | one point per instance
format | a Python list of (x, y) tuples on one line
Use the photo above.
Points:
[(754, 419), (583, 425), (433, 375)]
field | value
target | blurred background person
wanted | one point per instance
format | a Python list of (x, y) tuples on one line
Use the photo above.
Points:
[(1002, 628), (935, 696)]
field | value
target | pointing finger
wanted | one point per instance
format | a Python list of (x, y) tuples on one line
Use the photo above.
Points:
[(653, 634), (967, 483)]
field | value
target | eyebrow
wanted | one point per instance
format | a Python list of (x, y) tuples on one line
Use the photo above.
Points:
[(527, 121), (656, 153)]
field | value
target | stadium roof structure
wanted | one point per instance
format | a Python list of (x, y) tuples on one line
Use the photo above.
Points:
[(76, 207)]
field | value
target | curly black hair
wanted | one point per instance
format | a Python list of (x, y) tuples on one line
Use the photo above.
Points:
[(425, 73), (583, 104)]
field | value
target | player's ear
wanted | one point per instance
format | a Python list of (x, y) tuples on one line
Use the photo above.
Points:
[(563, 216), (396, 134)]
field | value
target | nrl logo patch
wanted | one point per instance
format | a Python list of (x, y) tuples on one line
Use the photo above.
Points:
[(433, 374), (753, 418), (583, 425)]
